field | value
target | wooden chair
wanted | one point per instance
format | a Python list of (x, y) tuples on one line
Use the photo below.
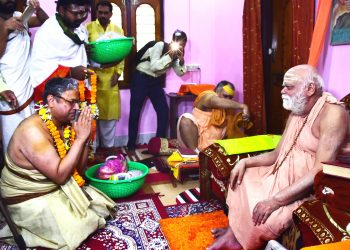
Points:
[(16, 235)]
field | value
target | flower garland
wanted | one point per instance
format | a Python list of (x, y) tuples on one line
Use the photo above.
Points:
[(93, 105), (93, 90), (62, 146)]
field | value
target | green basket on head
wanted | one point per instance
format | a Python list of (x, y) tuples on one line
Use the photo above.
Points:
[(119, 188), (110, 51)]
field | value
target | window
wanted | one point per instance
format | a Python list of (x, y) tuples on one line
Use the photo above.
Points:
[(141, 19)]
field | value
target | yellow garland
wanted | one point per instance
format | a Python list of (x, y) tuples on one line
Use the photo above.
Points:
[(61, 146), (93, 91)]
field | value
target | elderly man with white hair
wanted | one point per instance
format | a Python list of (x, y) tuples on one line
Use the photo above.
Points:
[(265, 189)]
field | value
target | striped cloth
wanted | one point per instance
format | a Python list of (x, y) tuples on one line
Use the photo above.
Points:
[(188, 196)]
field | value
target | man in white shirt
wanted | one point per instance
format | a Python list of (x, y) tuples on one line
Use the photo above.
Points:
[(147, 82), (59, 46)]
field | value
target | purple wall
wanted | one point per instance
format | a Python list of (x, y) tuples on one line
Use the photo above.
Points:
[(334, 65), (214, 41), (214, 30)]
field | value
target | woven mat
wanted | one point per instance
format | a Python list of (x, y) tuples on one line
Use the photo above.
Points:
[(192, 232), (135, 227), (194, 208)]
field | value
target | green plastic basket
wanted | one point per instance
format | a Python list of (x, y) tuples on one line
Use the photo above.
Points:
[(119, 188), (110, 51)]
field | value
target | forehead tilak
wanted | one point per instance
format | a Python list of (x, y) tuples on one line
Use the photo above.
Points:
[(291, 76)]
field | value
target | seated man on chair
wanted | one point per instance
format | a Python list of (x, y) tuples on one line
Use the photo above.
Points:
[(208, 120), (45, 152), (265, 189)]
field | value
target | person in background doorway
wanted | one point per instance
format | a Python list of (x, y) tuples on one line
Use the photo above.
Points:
[(108, 97)]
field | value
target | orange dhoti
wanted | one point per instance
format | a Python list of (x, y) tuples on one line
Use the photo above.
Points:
[(262, 183)]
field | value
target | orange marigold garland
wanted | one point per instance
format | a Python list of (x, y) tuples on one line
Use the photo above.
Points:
[(62, 146), (81, 88), (93, 106)]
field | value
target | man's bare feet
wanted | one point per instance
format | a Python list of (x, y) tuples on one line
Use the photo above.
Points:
[(217, 232), (226, 241)]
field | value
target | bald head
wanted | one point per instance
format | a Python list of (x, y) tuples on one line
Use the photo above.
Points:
[(304, 74)]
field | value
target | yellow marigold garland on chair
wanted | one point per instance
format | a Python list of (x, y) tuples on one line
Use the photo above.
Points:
[(62, 146)]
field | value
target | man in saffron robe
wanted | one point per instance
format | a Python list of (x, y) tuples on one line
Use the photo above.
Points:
[(59, 45), (108, 97), (265, 189), (46, 203), (208, 120)]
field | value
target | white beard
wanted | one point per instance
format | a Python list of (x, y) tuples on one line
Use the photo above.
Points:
[(296, 103), (287, 102)]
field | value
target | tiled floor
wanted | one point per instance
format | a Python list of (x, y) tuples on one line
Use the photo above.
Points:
[(170, 192)]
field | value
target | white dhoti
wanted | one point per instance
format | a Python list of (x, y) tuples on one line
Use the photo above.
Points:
[(14, 67), (57, 217), (106, 133)]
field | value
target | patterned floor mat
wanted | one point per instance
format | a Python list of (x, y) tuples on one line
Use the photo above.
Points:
[(135, 227), (182, 210)]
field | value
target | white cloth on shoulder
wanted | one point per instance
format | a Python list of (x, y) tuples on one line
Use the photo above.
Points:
[(14, 67), (52, 48)]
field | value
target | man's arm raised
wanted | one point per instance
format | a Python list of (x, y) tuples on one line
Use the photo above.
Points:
[(215, 102), (40, 15)]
